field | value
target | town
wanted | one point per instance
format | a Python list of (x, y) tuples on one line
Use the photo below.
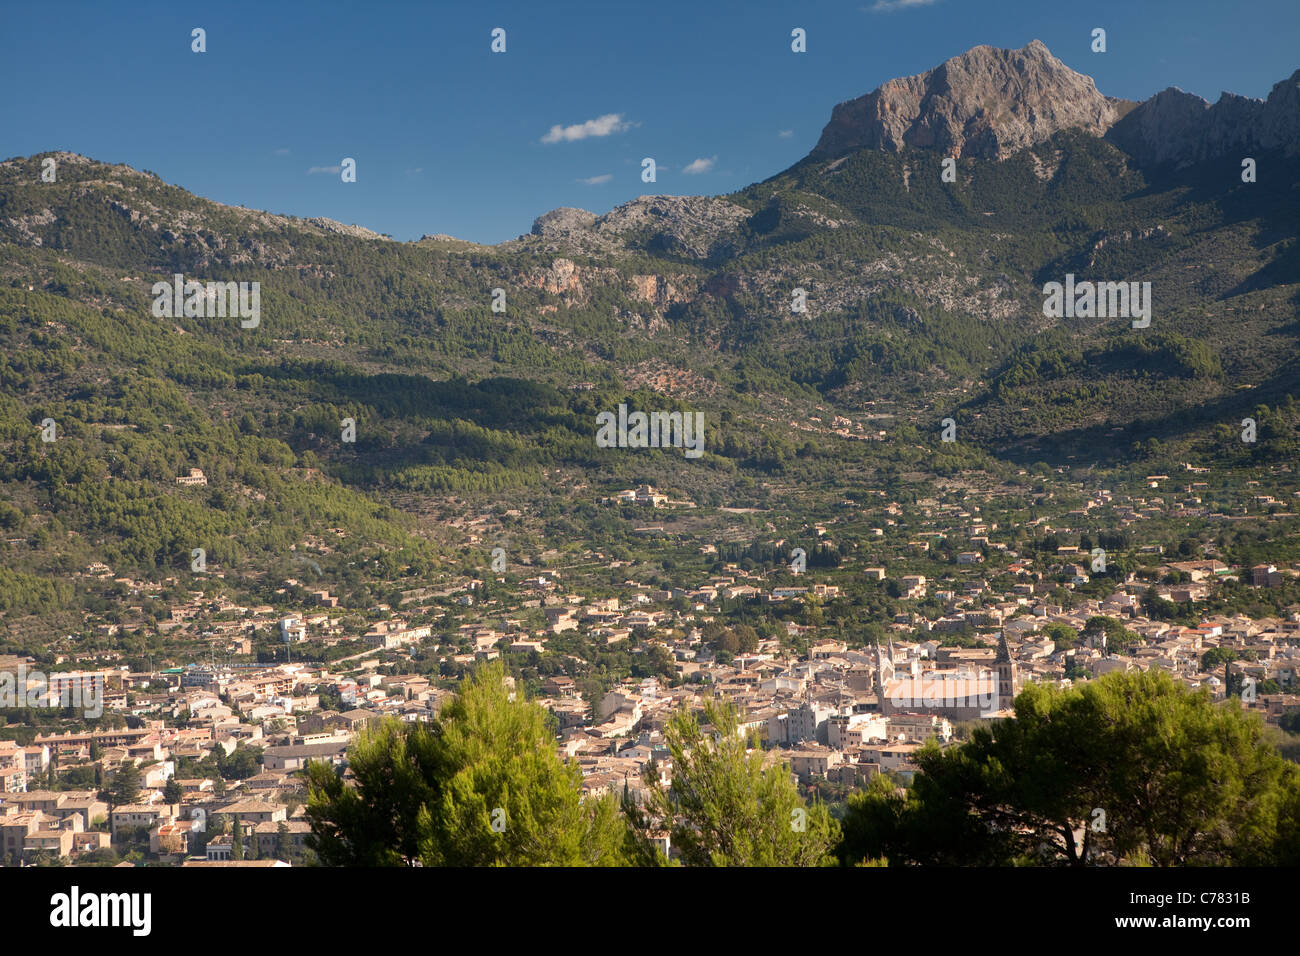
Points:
[(902, 621)]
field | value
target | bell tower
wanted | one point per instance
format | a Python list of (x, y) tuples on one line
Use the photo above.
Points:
[(1004, 668), (884, 674)]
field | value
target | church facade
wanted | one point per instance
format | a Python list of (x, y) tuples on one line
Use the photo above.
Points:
[(956, 695)]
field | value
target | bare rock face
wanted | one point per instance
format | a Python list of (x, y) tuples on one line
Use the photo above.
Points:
[(566, 231), (1278, 126), (689, 226), (660, 291), (355, 231), (986, 102), (1182, 128), (562, 277), (559, 223)]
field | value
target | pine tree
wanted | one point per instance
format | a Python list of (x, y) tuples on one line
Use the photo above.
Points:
[(283, 848), (724, 807), (483, 786), (1179, 779), (126, 783)]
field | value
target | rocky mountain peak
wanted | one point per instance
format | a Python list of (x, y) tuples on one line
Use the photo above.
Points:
[(987, 102)]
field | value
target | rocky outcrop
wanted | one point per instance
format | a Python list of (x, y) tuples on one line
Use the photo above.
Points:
[(987, 102), (64, 158), (658, 290), (563, 222), (694, 227), (329, 225), (561, 277), (26, 227), (690, 226), (1182, 128)]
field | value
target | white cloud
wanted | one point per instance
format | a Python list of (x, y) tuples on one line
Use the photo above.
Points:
[(600, 126), (698, 166), (889, 6), (335, 170), (282, 152), (597, 180), (786, 133)]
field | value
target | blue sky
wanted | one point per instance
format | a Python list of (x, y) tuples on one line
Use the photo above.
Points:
[(451, 138)]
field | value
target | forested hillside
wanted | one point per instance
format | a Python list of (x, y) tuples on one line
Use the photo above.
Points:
[(923, 302)]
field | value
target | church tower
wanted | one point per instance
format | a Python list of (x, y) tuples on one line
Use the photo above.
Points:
[(1005, 670), (884, 674)]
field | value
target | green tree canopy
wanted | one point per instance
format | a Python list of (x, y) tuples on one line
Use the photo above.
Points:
[(1216, 657), (725, 807), (126, 783), (1131, 766), (481, 786)]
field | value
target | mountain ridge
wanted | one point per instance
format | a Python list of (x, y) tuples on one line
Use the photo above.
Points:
[(921, 290), (1183, 128), (987, 103), (923, 303)]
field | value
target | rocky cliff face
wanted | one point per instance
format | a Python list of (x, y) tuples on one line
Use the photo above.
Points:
[(986, 102), (1181, 128), (695, 227), (990, 103)]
